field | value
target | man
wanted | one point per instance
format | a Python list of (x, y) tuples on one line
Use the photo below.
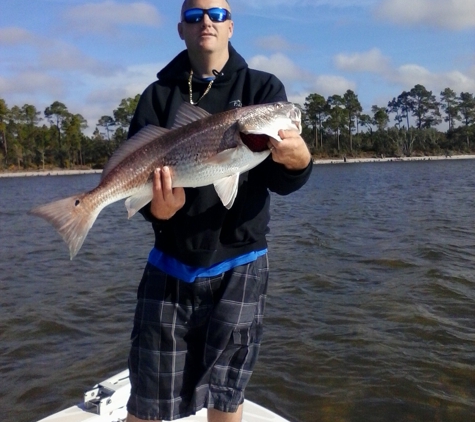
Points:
[(198, 321)]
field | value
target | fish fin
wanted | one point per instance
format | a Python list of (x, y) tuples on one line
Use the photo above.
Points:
[(231, 155), (138, 200), (224, 157), (140, 139), (70, 218), (187, 114), (227, 189)]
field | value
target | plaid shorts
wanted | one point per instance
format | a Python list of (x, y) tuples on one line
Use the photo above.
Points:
[(195, 345)]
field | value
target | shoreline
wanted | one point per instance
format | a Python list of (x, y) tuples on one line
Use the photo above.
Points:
[(316, 161), (57, 172)]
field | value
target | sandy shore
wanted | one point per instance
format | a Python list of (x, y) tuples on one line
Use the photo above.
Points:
[(315, 161), (390, 159), (48, 173)]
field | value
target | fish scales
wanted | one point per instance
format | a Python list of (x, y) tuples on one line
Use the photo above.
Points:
[(183, 151), (200, 149)]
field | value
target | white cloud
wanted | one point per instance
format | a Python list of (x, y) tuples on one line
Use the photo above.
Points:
[(324, 85), (261, 4), (106, 92), (299, 82), (92, 94), (68, 58), (14, 36), (25, 86), (330, 85), (61, 62), (45, 55), (449, 14), (280, 65), (126, 83), (369, 61), (406, 75), (410, 74), (275, 43), (107, 16)]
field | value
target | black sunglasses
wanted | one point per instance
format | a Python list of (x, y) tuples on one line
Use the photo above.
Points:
[(216, 14)]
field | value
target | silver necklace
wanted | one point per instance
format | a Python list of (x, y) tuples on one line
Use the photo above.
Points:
[(190, 86)]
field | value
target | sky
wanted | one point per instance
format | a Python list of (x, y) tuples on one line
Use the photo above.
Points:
[(90, 54)]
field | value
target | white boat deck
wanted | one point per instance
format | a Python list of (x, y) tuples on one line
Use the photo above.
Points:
[(106, 402)]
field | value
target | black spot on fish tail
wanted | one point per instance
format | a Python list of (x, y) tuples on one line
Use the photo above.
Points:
[(69, 219)]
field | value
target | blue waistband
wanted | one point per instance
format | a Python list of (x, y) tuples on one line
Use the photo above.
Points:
[(188, 273)]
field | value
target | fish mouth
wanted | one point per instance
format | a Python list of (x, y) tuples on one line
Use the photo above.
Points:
[(295, 117)]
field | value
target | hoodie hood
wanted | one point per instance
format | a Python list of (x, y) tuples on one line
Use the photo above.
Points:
[(179, 68)]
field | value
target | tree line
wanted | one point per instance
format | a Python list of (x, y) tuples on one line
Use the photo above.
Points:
[(30, 139), (406, 126), (334, 126)]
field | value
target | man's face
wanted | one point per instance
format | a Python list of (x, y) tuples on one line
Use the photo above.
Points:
[(206, 36)]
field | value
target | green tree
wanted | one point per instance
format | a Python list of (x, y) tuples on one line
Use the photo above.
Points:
[(402, 140), (4, 112), (336, 121), (107, 122), (353, 109), (450, 107), (380, 117), (120, 135), (124, 113), (410, 137), (394, 107), (466, 106), (429, 141), (73, 133), (22, 128), (315, 112), (56, 114), (406, 105), (366, 121), (401, 106), (43, 144), (30, 119), (14, 136), (424, 107)]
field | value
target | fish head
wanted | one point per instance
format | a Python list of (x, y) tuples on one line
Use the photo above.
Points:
[(268, 119)]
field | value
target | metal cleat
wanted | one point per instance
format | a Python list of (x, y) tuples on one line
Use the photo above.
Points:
[(109, 396)]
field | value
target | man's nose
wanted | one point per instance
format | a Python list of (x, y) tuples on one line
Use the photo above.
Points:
[(206, 20)]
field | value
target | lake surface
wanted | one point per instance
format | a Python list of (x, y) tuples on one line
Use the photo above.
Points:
[(371, 308)]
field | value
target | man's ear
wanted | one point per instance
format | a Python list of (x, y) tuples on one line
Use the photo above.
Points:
[(180, 30)]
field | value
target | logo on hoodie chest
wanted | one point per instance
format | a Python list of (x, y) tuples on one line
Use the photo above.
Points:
[(236, 103)]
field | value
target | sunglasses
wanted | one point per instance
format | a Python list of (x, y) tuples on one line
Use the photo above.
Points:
[(216, 14)]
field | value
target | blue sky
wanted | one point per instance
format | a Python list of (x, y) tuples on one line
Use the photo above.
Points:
[(91, 54)]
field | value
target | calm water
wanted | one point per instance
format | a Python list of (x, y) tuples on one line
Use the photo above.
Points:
[(371, 310)]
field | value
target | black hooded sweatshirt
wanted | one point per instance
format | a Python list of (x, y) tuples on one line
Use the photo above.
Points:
[(204, 232)]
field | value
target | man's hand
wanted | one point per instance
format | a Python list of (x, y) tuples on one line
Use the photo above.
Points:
[(166, 200), (292, 151)]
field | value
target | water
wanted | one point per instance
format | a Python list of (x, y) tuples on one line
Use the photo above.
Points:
[(370, 314)]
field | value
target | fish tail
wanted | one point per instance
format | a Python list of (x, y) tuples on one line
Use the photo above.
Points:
[(72, 217)]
